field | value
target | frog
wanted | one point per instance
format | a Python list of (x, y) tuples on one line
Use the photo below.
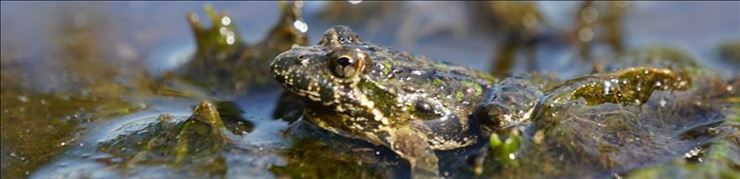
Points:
[(408, 103)]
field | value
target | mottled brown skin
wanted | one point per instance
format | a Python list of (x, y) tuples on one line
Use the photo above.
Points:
[(408, 103)]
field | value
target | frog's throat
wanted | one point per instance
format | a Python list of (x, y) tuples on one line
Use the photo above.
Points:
[(346, 125), (368, 104), (360, 101), (358, 118)]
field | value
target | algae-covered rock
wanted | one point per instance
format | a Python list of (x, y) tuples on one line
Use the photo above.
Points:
[(192, 145), (625, 119), (607, 124), (219, 41), (629, 86), (225, 64)]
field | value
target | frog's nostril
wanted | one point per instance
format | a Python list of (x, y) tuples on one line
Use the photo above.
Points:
[(301, 60)]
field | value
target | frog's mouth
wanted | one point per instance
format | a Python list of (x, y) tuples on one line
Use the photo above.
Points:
[(289, 80)]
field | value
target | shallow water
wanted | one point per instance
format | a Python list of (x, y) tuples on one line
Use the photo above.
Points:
[(72, 75)]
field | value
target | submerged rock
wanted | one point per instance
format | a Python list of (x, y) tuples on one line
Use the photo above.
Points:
[(192, 145)]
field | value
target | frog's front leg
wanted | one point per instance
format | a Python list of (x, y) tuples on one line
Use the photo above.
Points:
[(509, 103), (412, 145)]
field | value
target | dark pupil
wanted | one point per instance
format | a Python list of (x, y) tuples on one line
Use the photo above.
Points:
[(344, 61)]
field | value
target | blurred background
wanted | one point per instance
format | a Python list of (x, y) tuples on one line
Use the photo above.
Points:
[(464, 33)]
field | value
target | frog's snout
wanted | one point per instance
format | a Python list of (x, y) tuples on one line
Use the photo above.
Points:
[(278, 67), (287, 70)]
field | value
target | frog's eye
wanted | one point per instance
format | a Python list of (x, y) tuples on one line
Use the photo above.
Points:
[(346, 63)]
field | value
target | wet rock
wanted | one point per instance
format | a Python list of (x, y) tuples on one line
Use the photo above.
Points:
[(192, 145), (220, 40), (622, 120), (232, 118), (629, 86), (606, 137), (226, 65)]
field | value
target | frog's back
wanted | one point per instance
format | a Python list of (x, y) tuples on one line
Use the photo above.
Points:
[(444, 96)]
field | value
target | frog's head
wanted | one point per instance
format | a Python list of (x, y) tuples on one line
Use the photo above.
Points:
[(327, 73)]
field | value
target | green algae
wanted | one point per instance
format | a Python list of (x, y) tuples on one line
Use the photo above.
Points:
[(629, 86), (505, 151), (227, 65), (191, 144), (51, 124)]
